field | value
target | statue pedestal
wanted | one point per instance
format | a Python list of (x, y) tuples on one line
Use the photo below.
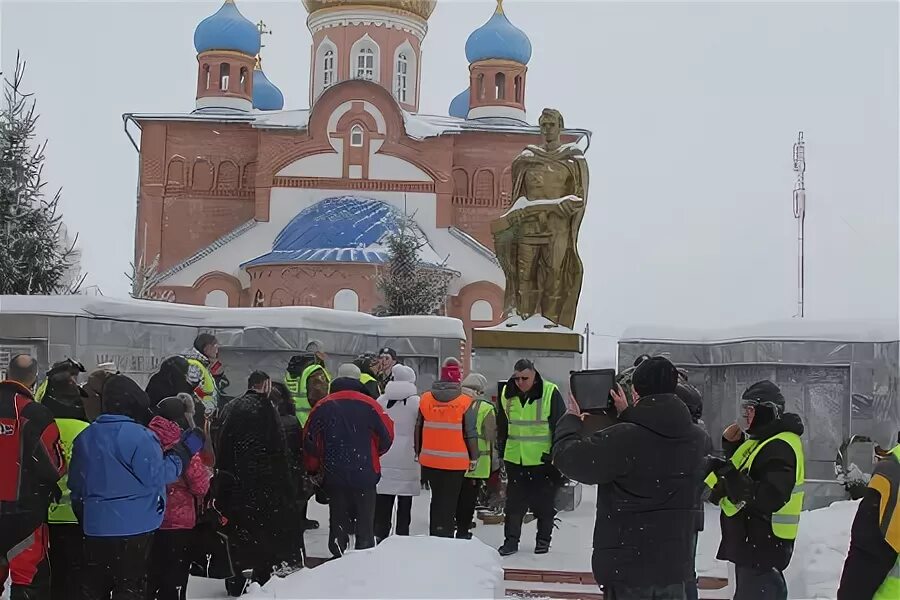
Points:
[(555, 350)]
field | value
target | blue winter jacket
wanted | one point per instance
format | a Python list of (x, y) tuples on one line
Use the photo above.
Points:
[(118, 477)]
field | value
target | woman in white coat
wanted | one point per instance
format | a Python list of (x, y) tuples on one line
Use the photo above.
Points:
[(400, 476)]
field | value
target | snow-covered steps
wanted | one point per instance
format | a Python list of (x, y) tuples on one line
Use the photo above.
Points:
[(575, 585)]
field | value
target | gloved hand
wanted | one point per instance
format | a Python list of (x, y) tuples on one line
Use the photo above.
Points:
[(55, 494), (473, 464), (191, 443), (717, 493), (738, 485), (193, 440), (718, 465)]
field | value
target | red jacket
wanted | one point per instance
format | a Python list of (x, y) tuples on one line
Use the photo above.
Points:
[(345, 435), (31, 458), (182, 496)]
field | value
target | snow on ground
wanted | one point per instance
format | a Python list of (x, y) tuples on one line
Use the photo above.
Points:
[(412, 567), (401, 572), (814, 572), (819, 553)]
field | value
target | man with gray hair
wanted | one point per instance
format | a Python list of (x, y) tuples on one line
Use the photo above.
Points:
[(31, 464)]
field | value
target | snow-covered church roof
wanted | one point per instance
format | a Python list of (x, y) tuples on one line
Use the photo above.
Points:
[(346, 229)]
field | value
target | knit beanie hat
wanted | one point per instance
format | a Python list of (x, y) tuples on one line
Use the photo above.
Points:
[(655, 375), (122, 396), (349, 370), (451, 371), (475, 382)]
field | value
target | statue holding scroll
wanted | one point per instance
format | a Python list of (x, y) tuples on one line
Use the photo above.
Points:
[(536, 240)]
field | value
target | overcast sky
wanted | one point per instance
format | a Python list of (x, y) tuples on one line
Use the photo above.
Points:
[(694, 109)]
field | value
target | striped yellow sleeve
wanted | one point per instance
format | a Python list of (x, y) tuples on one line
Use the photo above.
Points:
[(888, 511)]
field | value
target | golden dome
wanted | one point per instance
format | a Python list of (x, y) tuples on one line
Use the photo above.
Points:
[(421, 8)]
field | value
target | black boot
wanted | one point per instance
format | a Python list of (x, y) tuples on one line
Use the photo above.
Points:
[(509, 547), (542, 546)]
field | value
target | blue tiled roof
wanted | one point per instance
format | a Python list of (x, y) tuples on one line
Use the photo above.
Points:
[(340, 229)]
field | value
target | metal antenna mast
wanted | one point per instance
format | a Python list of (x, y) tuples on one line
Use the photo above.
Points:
[(800, 216)]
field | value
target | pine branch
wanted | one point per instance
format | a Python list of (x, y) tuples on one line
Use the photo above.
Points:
[(37, 257)]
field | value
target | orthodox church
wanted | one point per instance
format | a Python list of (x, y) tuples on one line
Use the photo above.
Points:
[(243, 202)]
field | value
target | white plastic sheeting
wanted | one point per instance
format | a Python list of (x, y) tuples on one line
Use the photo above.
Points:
[(305, 317)]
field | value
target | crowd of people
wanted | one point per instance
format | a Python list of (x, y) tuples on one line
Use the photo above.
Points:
[(109, 490), (114, 491)]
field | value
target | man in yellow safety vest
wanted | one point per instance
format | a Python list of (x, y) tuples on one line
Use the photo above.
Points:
[(872, 568), (474, 386), (62, 395), (530, 407), (760, 491), (307, 380)]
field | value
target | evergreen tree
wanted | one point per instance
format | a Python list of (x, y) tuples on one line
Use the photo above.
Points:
[(408, 286), (36, 257)]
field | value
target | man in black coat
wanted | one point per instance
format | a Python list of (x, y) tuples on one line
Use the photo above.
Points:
[(760, 557), (646, 470), (260, 498), (694, 403)]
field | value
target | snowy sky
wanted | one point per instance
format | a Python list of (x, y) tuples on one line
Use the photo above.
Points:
[(694, 109)]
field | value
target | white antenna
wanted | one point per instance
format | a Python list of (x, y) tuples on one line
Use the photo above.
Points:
[(800, 216)]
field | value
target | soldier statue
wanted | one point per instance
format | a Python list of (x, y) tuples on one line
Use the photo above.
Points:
[(536, 240)]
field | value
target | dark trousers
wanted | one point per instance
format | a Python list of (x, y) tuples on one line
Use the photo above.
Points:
[(170, 562), (24, 558), (384, 512), (759, 584), (350, 511), (654, 592), (465, 506), (445, 487), (66, 558), (116, 567), (530, 487)]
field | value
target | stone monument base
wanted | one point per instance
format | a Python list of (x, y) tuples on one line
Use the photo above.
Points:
[(555, 350)]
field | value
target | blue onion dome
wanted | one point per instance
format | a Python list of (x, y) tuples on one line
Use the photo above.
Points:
[(459, 106), (498, 39), (228, 29), (266, 95)]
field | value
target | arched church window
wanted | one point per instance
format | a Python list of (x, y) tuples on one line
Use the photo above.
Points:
[(481, 86), (206, 75), (500, 85), (245, 80), (517, 84), (216, 298), (328, 69), (481, 310), (224, 76), (346, 299), (258, 299), (365, 64), (356, 136), (402, 73)]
